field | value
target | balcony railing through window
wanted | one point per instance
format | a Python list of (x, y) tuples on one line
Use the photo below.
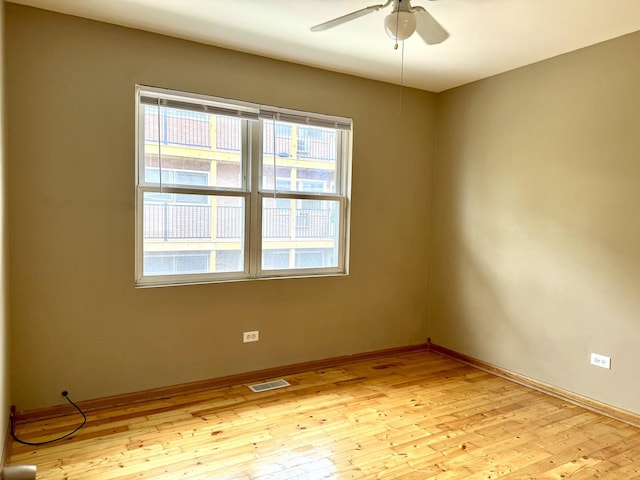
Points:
[(276, 223), (280, 144), (316, 143), (314, 223), (167, 221), (178, 127), (230, 221), (228, 133)]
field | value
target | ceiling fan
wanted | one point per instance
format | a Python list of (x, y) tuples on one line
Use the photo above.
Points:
[(400, 24)]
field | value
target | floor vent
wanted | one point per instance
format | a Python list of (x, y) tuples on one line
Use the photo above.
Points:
[(263, 387)]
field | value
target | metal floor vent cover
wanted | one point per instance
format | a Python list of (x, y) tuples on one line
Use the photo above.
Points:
[(263, 387)]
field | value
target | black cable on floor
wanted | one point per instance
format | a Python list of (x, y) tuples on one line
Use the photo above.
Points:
[(65, 395)]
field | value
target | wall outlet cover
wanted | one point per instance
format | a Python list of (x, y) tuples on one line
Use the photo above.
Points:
[(601, 361), (252, 336)]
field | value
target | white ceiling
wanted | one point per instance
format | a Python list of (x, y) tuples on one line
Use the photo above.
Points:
[(487, 36)]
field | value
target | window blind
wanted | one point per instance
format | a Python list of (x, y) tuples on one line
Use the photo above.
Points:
[(215, 108), (311, 119), (250, 111)]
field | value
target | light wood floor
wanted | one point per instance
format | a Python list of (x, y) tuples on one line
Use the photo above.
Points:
[(411, 416)]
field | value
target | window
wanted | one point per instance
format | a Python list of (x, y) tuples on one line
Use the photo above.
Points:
[(228, 190)]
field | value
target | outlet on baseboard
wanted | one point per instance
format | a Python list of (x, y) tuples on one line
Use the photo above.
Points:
[(601, 361), (252, 336)]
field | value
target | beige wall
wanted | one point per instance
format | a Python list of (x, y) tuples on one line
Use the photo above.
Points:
[(77, 321), (4, 346), (537, 237)]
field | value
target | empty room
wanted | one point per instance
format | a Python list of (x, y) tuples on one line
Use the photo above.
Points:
[(320, 240)]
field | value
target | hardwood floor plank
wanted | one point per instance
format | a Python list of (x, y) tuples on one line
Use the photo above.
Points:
[(415, 415)]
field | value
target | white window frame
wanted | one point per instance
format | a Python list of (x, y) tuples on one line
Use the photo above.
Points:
[(173, 170), (250, 189)]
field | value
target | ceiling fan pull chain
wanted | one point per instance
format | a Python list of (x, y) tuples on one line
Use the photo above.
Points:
[(401, 75)]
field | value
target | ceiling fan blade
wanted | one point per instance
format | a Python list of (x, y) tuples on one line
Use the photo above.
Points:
[(428, 27), (346, 18)]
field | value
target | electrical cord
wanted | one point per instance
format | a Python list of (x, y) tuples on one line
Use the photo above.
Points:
[(65, 394)]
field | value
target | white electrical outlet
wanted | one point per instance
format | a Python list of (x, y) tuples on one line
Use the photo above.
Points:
[(601, 361), (252, 336)]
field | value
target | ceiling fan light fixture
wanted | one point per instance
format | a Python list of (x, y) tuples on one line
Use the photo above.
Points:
[(400, 25)]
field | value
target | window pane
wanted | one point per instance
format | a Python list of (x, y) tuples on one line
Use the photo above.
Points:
[(183, 235), (281, 143), (156, 264), (310, 229), (275, 259), (308, 152), (197, 148), (313, 258), (198, 263), (168, 263), (316, 143), (229, 261), (191, 178)]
